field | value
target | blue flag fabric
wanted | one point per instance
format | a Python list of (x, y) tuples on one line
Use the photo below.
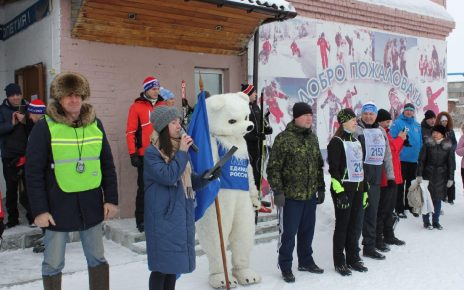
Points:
[(202, 160)]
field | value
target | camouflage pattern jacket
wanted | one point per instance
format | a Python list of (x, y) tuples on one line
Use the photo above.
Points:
[(295, 164)]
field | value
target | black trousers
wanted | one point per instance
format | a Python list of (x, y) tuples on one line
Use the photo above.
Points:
[(139, 199), (408, 171), (13, 177), (255, 162), (345, 238), (369, 232), (385, 213), (161, 281)]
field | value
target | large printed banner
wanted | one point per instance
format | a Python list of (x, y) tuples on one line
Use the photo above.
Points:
[(332, 66)]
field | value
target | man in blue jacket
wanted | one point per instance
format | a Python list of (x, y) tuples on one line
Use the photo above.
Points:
[(408, 155)]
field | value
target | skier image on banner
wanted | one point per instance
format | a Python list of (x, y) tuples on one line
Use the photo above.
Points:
[(422, 66), (403, 49), (347, 102), (271, 93), (338, 43), (431, 97), (435, 63), (395, 104), (394, 55), (324, 48), (349, 40), (295, 49), (387, 54), (334, 107), (265, 52)]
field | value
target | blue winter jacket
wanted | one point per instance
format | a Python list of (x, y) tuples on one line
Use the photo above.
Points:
[(169, 213), (408, 154)]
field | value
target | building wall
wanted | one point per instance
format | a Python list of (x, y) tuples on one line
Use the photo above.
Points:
[(37, 43), (116, 73)]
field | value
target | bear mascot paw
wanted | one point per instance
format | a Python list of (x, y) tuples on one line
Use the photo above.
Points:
[(238, 196)]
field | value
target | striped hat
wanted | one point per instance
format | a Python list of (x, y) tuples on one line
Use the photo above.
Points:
[(248, 89), (37, 107), (150, 82)]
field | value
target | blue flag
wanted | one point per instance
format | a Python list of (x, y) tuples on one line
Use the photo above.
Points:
[(203, 159)]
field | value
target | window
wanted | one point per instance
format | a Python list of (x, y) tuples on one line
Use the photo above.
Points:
[(213, 80)]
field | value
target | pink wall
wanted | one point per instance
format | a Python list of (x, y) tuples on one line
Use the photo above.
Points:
[(116, 72)]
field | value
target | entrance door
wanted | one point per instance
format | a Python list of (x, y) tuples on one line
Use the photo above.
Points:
[(32, 81)]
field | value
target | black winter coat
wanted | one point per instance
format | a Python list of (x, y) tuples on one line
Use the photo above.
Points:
[(13, 139), (252, 137), (71, 211), (437, 164)]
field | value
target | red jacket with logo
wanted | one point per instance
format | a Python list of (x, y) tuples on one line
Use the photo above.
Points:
[(139, 128), (395, 146)]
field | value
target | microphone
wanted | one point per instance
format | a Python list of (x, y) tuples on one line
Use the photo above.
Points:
[(193, 146)]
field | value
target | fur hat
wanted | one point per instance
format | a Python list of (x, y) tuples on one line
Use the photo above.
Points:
[(37, 107), (162, 116), (300, 109), (12, 89), (67, 83), (248, 89), (429, 114), (383, 115), (440, 128), (345, 115)]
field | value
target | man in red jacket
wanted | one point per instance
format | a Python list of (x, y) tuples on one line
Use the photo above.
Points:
[(138, 134), (385, 221)]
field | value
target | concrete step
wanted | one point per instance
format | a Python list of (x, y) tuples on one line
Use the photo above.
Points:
[(123, 232)]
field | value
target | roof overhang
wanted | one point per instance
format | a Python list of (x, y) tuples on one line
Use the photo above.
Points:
[(209, 26)]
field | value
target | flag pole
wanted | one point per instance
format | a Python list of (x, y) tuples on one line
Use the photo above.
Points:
[(221, 239)]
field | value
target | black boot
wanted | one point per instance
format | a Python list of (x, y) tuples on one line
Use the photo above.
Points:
[(358, 266), (288, 276), (394, 241), (343, 270), (52, 282), (372, 253), (382, 247), (311, 268), (436, 225), (99, 277)]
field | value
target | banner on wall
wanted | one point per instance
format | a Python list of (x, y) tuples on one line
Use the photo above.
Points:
[(333, 66), (35, 13)]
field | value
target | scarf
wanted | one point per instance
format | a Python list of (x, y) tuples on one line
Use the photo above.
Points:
[(186, 175)]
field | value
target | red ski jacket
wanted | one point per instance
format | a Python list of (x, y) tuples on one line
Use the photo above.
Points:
[(139, 128), (395, 146)]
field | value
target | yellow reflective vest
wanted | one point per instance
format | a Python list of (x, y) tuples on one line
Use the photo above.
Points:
[(76, 155)]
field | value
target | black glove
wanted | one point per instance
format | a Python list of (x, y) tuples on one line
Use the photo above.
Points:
[(342, 201), (320, 196), (261, 136), (214, 175), (279, 199), (391, 183), (136, 160), (267, 130)]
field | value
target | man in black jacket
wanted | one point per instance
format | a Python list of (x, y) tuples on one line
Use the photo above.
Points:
[(71, 180), (13, 140)]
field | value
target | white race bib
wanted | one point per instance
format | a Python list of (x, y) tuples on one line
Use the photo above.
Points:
[(354, 161), (375, 146)]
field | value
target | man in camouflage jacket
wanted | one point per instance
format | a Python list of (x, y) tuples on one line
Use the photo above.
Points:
[(295, 174)]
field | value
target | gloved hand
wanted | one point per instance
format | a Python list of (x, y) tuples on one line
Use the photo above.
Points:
[(342, 201), (279, 199), (449, 183), (391, 183), (214, 175), (320, 196), (136, 160), (261, 136), (255, 202), (419, 179), (365, 199), (267, 130)]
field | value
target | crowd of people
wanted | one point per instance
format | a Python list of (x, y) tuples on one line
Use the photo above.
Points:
[(57, 161)]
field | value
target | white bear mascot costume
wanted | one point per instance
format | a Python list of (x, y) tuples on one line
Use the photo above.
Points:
[(238, 196)]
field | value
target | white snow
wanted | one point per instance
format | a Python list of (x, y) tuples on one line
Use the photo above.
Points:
[(423, 7), (430, 260), (280, 4)]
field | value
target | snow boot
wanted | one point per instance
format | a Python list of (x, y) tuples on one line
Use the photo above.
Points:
[(52, 282), (99, 277)]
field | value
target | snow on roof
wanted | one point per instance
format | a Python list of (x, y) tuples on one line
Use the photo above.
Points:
[(422, 7), (276, 4)]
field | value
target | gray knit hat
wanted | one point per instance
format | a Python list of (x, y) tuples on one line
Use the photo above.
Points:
[(162, 116)]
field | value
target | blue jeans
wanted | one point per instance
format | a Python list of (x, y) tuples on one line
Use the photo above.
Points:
[(55, 247), (436, 213)]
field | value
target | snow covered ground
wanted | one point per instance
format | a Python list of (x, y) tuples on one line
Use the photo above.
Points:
[(429, 260)]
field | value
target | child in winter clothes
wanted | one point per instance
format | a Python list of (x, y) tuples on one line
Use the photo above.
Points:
[(169, 200), (436, 164)]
